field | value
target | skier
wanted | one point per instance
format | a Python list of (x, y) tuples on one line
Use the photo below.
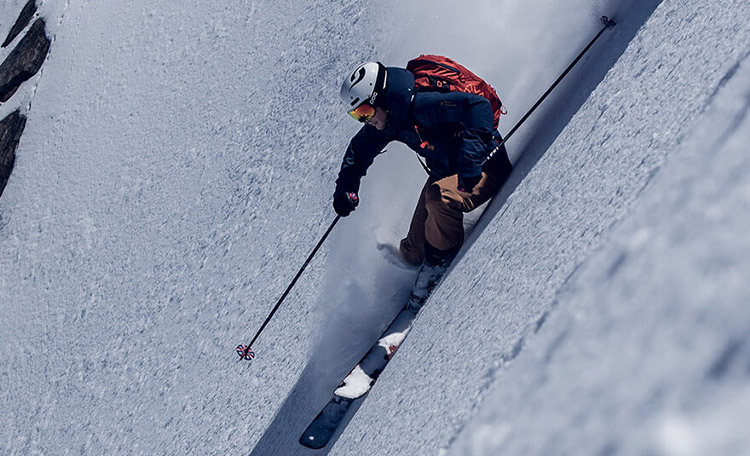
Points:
[(453, 131)]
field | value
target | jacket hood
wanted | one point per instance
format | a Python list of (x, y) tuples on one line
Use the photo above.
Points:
[(399, 90)]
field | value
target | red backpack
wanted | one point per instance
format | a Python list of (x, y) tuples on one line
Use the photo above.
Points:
[(438, 73)]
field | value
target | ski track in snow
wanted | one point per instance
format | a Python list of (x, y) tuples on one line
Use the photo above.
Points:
[(176, 170)]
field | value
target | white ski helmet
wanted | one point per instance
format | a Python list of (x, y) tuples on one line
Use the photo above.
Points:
[(365, 84)]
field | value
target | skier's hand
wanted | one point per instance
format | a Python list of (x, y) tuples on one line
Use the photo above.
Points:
[(345, 202), (467, 184)]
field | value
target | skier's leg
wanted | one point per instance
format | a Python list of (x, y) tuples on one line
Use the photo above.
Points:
[(444, 226), (412, 246), (445, 204)]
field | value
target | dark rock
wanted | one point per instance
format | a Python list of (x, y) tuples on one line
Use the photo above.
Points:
[(23, 20), (10, 133), (24, 61)]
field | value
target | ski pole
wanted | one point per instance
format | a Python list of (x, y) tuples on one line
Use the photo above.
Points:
[(246, 351), (608, 23)]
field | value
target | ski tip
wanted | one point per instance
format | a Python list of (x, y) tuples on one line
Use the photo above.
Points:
[(608, 22), (309, 441)]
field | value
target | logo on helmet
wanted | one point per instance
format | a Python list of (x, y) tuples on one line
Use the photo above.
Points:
[(359, 76)]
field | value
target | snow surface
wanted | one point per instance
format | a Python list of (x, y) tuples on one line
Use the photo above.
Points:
[(176, 170)]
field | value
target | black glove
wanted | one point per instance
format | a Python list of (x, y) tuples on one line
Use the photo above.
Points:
[(345, 202), (467, 184)]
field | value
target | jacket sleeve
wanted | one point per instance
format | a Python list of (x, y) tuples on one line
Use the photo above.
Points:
[(362, 150), (472, 114)]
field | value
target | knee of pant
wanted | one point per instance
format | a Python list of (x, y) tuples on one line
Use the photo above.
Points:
[(433, 196), (437, 199)]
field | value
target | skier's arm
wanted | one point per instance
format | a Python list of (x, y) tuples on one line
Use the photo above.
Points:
[(362, 150), (473, 113)]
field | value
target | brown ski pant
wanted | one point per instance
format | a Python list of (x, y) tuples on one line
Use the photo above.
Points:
[(439, 215)]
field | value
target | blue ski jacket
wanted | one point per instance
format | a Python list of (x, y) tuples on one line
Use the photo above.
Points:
[(453, 131)]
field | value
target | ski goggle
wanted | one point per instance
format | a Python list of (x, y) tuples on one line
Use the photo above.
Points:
[(363, 113)]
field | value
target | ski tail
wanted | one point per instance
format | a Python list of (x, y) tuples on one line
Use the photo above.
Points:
[(324, 426)]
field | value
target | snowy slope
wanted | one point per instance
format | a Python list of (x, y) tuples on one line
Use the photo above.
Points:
[(173, 172), (176, 170), (646, 349)]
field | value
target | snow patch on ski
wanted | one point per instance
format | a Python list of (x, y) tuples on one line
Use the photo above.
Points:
[(355, 385), (391, 342)]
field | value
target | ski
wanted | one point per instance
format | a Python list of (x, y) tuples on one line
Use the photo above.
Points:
[(362, 377)]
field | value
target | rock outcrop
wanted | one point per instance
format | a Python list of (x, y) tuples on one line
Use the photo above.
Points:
[(23, 20), (10, 133), (24, 61)]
